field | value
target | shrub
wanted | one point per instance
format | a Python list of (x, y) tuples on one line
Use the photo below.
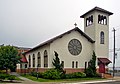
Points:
[(89, 72), (52, 74), (62, 75), (69, 76), (33, 74), (79, 75), (11, 77), (75, 75), (97, 75), (4, 76), (40, 75)]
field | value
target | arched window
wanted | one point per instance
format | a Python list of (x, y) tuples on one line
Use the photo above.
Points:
[(76, 64), (33, 60), (29, 61), (45, 58), (101, 37), (25, 66), (72, 64), (39, 60)]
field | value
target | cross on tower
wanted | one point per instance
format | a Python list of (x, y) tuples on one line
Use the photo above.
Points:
[(75, 25)]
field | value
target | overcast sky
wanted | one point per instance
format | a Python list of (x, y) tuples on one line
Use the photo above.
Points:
[(27, 23)]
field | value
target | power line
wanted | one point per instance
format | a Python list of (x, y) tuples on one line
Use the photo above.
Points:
[(115, 36), (116, 49), (116, 26)]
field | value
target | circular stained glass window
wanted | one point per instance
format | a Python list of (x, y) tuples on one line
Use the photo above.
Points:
[(74, 47)]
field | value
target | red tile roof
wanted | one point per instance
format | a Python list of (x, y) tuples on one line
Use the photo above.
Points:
[(104, 60), (23, 59)]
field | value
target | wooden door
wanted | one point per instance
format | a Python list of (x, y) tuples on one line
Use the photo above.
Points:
[(101, 68)]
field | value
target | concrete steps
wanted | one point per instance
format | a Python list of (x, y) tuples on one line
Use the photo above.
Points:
[(106, 75)]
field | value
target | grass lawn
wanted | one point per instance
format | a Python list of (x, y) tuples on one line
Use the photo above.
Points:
[(61, 80), (16, 78)]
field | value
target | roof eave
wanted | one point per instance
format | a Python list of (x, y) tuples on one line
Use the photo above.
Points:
[(97, 9), (85, 35), (35, 48), (51, 40)]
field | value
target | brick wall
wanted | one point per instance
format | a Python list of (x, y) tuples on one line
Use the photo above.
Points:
[(68, 70)]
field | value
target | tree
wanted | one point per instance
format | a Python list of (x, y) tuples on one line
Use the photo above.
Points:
[(58, 66), (8, 58), (91, 70), (56, 62), (93, 62)]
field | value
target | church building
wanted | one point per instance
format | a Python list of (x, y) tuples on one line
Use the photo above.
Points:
[(75, 47)]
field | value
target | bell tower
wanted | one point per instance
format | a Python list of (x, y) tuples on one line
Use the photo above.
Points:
[(96, 25)]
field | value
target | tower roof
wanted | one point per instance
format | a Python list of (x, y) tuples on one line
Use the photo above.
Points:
[(97, 9)]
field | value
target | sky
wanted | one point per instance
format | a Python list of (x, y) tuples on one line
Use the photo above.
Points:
[(27, 23)]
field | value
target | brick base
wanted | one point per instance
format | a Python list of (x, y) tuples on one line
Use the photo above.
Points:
[(71, 70), (68, 70), (22, 70)]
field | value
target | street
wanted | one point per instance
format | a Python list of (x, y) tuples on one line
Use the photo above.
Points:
[(115, 82)]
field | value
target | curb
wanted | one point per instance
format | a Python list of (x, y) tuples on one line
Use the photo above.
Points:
[(91, 82)]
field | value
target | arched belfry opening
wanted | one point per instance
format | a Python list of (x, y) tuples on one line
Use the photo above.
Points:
[(89, 20), (102, 19)]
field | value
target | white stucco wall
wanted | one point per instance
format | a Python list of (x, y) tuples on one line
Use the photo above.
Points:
[(90, 30), (41, 50), (61, 47), (94, 30), (102, 50)]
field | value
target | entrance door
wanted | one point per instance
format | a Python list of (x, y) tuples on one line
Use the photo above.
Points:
[(101, 68)]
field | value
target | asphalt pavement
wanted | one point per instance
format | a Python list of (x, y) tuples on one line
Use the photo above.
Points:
[(115, 82)]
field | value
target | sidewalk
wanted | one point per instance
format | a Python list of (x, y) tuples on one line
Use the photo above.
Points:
[(106, 80), (91, 82), (24, 80), (28, 81)]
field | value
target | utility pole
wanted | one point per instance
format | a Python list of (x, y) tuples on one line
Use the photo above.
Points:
[(114, 54)]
